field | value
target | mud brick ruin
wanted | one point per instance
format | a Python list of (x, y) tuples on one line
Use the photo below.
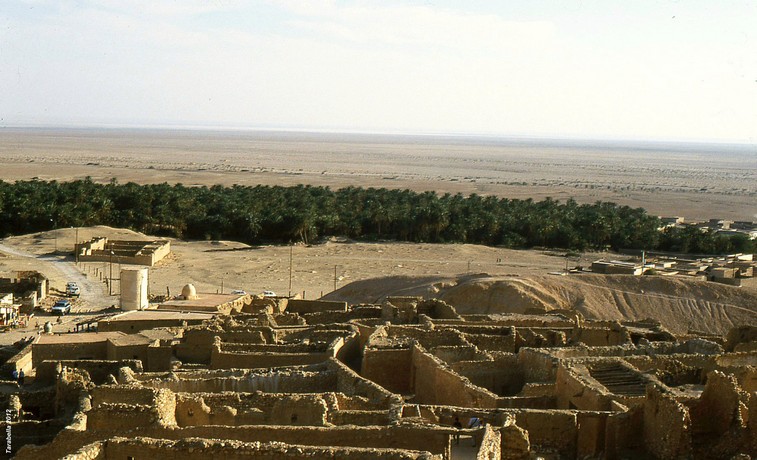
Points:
[(100, 249), (280, 378)]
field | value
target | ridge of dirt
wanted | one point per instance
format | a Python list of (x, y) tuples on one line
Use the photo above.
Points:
[(679, 304)]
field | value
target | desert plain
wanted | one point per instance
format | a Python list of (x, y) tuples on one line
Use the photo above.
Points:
[(695, 181)]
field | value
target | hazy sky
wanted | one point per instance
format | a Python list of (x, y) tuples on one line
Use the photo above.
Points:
[(627, 69)]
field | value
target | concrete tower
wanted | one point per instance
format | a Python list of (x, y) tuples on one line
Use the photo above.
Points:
[(134, 289)]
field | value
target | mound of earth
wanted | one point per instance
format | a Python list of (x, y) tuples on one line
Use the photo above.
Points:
[(62, 239), (679, 304)]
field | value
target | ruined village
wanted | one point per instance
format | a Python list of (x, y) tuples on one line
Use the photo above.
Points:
[(231, 374), (378, 230)]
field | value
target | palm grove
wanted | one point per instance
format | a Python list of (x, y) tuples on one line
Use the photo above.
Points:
[(274, 214)]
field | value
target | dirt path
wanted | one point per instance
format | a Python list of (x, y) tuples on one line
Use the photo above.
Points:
[(59, 269), (92, 292)]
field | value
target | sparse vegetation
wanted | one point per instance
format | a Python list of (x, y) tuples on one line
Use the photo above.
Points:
[(305, 213)]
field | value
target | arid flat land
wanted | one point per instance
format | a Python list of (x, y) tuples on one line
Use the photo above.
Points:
[(697, 181), (479, 279)]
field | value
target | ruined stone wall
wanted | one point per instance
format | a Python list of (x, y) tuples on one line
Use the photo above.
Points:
[(229, 360), (251, 409), (461, 353), (352, 384), (116, 352), (504, 343), (667, 426), (29, 432), (390, 368), (437, 309), (592, 439), (325, 333), (435, 383), (143, 409), (294, 381), (98, 370), (135, 326), (198, 342), (540, 337), (490, 446), (501, 376), (550, 429), (68, 351), (428, 338), (574, 392), (719, 417), (333, 317), (120, 417), (201, 449), (343, 441), (537, 365), (360, 417), (301, 306), (41, 403), (208, 409), (599, 336), (21, 361), (122, 394), (393, 437), (527, 402)]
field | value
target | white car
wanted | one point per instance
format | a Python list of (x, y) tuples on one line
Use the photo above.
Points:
[(269, 294), (72, 289), (238, 292)]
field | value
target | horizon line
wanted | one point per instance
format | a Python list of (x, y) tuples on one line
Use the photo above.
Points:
[(378, 132)]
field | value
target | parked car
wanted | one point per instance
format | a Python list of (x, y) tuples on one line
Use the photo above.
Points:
[(269, 294), (238, 292), (72, 289), (61, 307)]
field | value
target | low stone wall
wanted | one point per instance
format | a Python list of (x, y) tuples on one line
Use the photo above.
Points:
[(203, 449), (490, 446), (98, 370), (227, 360), (333, 317), (293, 381), (359, 417), (312, 306)]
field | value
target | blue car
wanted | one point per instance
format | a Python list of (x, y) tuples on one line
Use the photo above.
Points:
[(61, 307)]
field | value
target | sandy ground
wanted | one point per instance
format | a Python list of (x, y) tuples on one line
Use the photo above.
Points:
[(213, 266), (477, 279), (692, 181)]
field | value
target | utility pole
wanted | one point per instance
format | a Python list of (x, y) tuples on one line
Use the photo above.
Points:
[(643, 260), (291, 250), (76, 246), (335, 277), (110, 281)]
